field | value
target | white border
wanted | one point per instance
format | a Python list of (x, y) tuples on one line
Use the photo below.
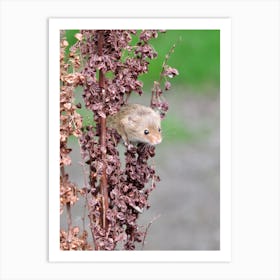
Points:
[(224, 254), (255, 139)]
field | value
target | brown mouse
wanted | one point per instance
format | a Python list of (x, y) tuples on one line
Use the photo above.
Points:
[(137, 124)]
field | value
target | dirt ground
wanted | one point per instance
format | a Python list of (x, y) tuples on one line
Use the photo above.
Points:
[(186, 203)]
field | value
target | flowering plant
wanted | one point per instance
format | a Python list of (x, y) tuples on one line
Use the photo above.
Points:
[(114, 196)]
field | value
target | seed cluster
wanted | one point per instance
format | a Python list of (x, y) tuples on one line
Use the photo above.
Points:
[(110, 56)]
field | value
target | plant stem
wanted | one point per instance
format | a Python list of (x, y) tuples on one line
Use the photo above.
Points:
[(102, 138), (68, 212), (69, 222), (147, 228)]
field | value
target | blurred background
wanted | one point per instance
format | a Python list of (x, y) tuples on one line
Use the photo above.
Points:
[(185, 206)]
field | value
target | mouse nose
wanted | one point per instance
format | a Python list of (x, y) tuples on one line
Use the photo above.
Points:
[(156, 140)]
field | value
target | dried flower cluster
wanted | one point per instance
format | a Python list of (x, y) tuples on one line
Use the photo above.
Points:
[(115, 196), (70, 120), (68, 192), (157, 100), (77, 242), (70, 125), (125, 70)]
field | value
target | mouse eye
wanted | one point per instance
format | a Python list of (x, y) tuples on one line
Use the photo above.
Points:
[(159, 130), (146, 132)]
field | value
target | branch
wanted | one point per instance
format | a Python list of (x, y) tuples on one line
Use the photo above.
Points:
[(102, 138), (167, 56), (68, 213), (147, 228)]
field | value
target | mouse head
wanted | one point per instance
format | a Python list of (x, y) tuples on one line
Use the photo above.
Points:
[(151, 130), (144, 126)]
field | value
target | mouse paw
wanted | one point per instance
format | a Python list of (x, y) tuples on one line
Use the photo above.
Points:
[(130, 147)]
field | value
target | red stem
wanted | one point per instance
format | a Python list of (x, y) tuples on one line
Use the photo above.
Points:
[(102, 138)]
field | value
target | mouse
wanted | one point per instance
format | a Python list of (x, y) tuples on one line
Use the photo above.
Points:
[(137, 123)]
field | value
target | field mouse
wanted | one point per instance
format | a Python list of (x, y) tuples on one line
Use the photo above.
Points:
[(137, 124)]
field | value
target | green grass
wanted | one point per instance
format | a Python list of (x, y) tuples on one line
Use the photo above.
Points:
[(196, 56), (70, 38), (173, 129)]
